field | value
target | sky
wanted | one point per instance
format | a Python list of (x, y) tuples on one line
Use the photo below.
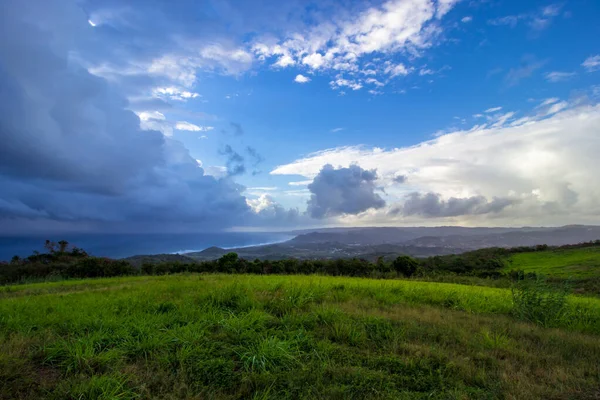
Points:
[(184, 116)]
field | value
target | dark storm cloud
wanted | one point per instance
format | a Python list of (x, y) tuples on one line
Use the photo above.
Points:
[(431, 205), (72, 152), (343, 191)]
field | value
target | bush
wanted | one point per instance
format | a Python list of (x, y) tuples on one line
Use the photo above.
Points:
[(536, 301)]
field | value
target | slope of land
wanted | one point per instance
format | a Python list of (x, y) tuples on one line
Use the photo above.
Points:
[(370, 243), (576, 263), (243, 336)]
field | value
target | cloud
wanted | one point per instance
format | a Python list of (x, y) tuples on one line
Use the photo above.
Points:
[(334, 130), (466, 19), (341, 82), (400, 179), (556, 76), (374, 82), (535, 161), (235, 162), (537, 20), (267, 209), (592, 63), (256, 158), (529, 65), (218, 171), (74, 156), (396, 70), (549, 101), (237, 128), (187, 126), (301, 79), (174, 93), (300, 183), (431, 205), (343, 42), (491, 110), (340, 191), (156, 121)]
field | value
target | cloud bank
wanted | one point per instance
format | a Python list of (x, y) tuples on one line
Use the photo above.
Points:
[(73, 155), (532, 169)]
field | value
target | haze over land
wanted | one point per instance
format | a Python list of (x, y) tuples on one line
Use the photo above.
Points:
[(152, 116)]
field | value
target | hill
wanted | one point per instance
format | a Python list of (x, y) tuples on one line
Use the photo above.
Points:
[(370, 243), (291, 337), (576, 263)]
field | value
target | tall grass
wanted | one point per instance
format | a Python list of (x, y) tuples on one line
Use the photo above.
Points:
[(231, 337)]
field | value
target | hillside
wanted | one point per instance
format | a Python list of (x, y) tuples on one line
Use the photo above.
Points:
[(289, 337), (576, 263), (370, 243)]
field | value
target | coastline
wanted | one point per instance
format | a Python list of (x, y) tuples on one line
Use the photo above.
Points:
[(184, 252)]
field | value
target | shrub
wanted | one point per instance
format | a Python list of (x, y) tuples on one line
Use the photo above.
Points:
[(536, 301)]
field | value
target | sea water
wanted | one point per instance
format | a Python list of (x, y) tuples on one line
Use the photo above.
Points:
[(125, 245)]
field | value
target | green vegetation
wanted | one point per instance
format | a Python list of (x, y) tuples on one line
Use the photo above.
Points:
[(199, 336), (565, 263)]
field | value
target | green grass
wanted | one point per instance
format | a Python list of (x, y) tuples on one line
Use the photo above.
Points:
[(564, 263), (277, 337)]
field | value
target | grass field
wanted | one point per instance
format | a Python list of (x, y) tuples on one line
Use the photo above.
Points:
[(261, 337), (576, 263)]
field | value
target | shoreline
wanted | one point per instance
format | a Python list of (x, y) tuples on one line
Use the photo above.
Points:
[(184, 252)]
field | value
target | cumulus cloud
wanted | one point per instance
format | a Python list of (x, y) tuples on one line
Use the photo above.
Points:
[(73, 155), (301, 79), (540, 161), (350, 83), (341, 43), (268, 210), (349, 190), (396, 70)]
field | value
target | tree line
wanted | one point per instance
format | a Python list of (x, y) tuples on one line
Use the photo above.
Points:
[(64, 261)]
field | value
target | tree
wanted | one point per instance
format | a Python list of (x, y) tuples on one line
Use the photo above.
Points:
[(228, 262), (405, 265), (62, 246), (49, 245)]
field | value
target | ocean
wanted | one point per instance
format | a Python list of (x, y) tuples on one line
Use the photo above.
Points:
[(125, 245)]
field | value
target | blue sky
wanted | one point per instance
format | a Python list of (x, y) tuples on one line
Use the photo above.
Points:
[(430, 112)]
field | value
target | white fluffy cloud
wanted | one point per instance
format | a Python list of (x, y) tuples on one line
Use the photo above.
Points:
[(340, 44), (540, 166), (301, 79)]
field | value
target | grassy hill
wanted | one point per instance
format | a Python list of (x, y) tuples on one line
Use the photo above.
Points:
[(577, 263), (212, 336)]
